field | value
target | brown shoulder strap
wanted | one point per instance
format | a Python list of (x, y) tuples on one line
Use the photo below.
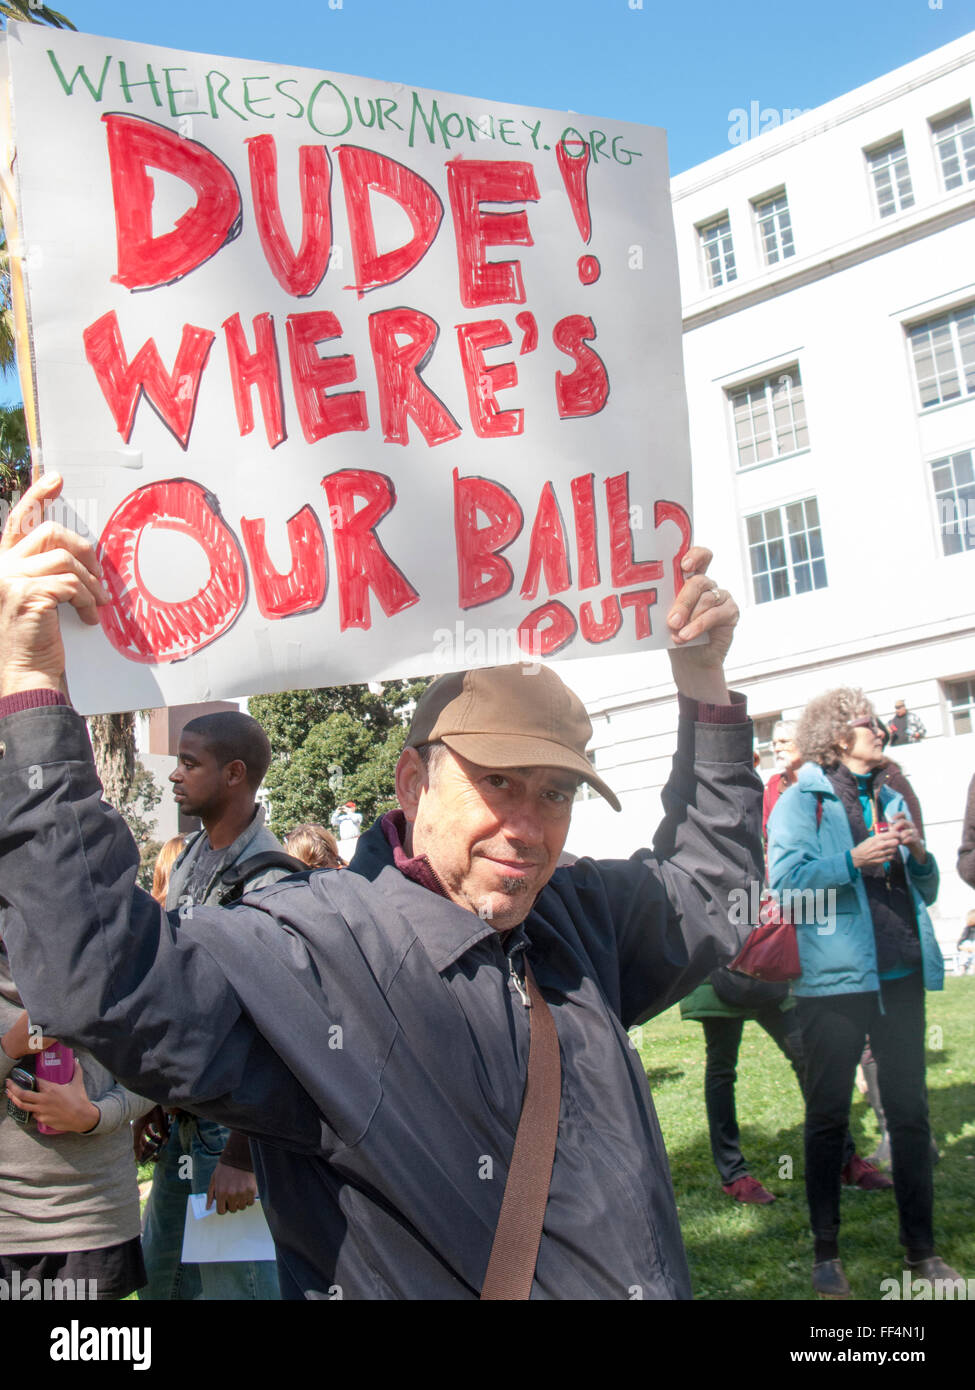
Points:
[(511, 1267)]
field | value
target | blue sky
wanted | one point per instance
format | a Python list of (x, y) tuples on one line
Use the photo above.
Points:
[(684, 66), (681, 65)]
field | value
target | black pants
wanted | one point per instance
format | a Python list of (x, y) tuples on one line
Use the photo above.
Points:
[(834, 1029), (722, 1038)]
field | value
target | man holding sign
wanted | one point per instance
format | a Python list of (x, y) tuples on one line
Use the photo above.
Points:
[(429, 1052)]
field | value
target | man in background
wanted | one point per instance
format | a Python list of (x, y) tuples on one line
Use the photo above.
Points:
[(905, 727), (220, 764)]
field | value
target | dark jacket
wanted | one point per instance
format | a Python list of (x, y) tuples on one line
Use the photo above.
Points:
[(368, 1035), (255, 840), (966, 851)]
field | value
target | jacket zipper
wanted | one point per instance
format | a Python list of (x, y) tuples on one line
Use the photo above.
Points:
[(518, 983)]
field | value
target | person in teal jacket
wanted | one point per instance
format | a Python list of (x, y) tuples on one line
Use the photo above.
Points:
[(868, 952)]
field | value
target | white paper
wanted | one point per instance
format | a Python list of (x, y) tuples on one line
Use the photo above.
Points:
[(208, 620), (209, 1238)]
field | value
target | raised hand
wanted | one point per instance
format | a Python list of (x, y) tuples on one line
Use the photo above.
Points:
[(42, 564), (701, 607)]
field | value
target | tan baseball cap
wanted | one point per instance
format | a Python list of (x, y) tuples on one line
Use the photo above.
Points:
[(509, 716)]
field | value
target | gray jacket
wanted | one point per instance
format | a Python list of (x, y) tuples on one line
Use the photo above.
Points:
[(256, 839), (369, 1035), (63, 1192)]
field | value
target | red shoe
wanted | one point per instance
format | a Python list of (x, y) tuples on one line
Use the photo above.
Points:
[(859, 1173), (748, 1189)]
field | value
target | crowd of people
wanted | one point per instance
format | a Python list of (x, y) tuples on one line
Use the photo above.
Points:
[(69, 1208), (840, 815), (419, 1063)]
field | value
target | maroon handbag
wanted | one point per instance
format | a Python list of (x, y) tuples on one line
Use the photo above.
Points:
[(771, 951)]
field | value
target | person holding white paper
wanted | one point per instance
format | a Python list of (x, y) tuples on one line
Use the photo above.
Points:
[(376, 1032)]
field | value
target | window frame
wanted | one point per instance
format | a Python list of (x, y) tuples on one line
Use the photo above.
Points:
[(584, 791), (798, 427), (962, 370), (725, 252), (763, 746), (782, 253), (966, 160), (875, 152), (951, 708), (963, 507), (786, 538)]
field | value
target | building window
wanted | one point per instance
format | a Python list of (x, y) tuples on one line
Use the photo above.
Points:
[(770, 417), (891, 178), (961, 704), (719, 253), (954, 139), (584, 792), (763, 740), (954, 496), (775, 227), (785, 547), (944, 356)]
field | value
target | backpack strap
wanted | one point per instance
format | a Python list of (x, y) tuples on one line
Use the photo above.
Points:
[(234, 881)]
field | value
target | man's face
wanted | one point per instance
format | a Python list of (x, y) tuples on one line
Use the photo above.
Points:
[(900, 708), (199, 782), (493, 836), (785, 751)]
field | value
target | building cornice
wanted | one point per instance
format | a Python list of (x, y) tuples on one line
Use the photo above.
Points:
[(798, 130), (855, 253), (795, 664)]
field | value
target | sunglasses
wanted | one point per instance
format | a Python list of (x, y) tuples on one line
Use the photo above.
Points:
[(867, 722)]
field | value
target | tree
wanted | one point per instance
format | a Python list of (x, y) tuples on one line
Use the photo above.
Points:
[(7, 354), (334, 745), (14, 452), (128, 786), (34, 14)]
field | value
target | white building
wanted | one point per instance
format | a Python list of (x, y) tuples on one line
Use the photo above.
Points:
[(828, 287)]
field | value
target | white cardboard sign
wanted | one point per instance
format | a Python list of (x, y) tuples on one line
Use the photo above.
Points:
[(349, 380)]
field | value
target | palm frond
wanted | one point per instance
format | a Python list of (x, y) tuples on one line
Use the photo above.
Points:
[(34, 14)]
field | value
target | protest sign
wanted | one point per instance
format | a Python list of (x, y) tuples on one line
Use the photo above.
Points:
[(348, 380)]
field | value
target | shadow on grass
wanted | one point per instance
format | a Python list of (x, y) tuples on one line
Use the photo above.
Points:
[(658, 1075)]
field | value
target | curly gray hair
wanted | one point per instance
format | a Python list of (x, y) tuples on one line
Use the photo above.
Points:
[(824, 724)]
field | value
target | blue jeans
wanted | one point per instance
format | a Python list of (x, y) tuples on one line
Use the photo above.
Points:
[(186, 1165)]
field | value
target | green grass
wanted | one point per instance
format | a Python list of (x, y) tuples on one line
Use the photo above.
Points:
[(741, 1252)]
